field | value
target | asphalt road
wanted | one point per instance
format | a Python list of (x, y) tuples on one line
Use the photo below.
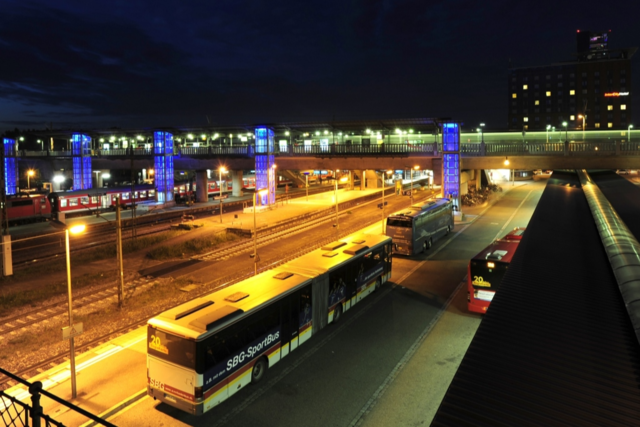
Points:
[(366, 369)]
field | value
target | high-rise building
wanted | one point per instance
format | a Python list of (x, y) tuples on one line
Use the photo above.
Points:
[(592, 91)]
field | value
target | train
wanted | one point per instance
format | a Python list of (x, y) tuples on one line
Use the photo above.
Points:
[(32, 207), (183, 190)]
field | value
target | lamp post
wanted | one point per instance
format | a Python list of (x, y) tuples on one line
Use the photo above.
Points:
[(565, 131), (306, 183), (30, 173), (583, 117), (221, 170), (548, 127), (76, 229), (629, 131), (255, 231), (335, 195), (389, 172)]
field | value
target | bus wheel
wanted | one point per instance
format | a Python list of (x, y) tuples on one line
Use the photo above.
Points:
[(337, 313), (378, 284), (259, 370), (427, 245)]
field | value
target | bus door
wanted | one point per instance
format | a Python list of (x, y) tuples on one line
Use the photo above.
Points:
[(305, 319), (289, 326), (320, 286), (105, 201)]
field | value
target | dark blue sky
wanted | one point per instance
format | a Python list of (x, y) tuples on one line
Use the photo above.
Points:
[(173, 63)]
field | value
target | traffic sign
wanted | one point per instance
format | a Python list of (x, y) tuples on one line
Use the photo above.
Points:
[(72, 331)]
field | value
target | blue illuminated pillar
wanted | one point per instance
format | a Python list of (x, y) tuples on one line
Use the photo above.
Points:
[(81, 154), (451, 162), (163, 161), (10, 167), (265, 171)]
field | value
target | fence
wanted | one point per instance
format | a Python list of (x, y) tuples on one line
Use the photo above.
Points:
[(15, 413)]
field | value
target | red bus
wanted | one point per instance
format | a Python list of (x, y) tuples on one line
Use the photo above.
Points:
[(486, 270)]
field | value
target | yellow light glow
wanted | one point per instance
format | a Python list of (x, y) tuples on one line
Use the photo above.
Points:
[(76, 229), (31, 173), (389, 172), (416, 167), (223, 169), (344, 179), (506, 162), (151, 171), (263, 191), (274, 166), (491, 265)]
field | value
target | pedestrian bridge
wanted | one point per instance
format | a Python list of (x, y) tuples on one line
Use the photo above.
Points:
[(521, 155)]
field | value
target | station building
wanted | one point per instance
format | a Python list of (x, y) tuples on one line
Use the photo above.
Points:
[(592, 91)]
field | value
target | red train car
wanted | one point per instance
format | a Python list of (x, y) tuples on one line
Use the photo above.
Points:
[(99, 199), (23, 208)]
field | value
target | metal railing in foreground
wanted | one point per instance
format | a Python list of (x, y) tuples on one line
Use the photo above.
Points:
[(14, 412)]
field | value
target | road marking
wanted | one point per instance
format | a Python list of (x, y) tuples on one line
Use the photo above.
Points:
[(512, 215)]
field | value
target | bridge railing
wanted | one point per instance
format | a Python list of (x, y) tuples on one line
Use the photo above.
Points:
[(467, 149)]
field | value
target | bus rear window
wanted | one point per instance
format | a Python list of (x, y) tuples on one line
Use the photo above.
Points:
[(171, 348), (399, 222)]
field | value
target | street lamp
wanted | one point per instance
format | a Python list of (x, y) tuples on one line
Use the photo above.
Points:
[(76, 229), (335, 192), (583, 117), (306, 183), (482, 132), (565, 131), (389, 172), (221, 170), (30, 173), (411, 193), (548, 127), (255, 230), (629, 131)]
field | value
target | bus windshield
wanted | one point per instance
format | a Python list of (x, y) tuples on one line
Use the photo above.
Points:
[(399, 222), (171, 348)]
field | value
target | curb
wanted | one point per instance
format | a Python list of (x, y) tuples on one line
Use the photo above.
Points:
[(118, 407)]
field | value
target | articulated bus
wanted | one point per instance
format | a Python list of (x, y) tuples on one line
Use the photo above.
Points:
[(486, 270), (413, 230), (203, 351)]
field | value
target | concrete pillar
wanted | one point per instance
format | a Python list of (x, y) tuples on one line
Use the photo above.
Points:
[(478, 179), (372, 179), (352, 184), (360, 174), (236, 181), (202, 186)]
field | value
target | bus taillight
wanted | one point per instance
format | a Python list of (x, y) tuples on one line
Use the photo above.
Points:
[(198, 392), (490, 265)]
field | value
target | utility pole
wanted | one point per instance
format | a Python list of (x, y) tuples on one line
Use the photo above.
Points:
[(133, 197), (119, 252)]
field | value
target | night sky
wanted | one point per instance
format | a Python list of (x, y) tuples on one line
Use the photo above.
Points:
[(132, 64)]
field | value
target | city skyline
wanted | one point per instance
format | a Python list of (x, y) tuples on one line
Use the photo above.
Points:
[(135, 65)]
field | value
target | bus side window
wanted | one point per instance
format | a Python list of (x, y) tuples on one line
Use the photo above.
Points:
[(305, 306)]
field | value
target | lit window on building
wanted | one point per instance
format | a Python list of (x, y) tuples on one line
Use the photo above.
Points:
[(537, 102), (597, 125), (609, 125), (525, 87), (525, 119), (514, 95), (623, 106), (572, 92), (548, 93), (572, 117), (609, 107)]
